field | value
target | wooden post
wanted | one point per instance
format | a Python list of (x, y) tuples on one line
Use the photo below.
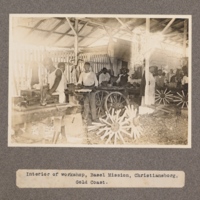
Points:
[(76, 42), (75, 31), (184, 38), (146, 98)]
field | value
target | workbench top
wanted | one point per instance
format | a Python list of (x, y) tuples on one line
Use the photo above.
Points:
[(38, 113)]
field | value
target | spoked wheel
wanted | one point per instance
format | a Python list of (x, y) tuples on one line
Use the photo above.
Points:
[(116, 101), (100, 98), (181, 99)]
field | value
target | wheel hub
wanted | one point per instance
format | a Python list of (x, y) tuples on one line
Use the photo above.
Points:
[(115, 127), (117, 105), (162, 96)]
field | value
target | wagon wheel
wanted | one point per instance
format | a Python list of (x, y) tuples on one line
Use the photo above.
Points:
[(99, 99), (181, 99), (163, 96), (116, 101)]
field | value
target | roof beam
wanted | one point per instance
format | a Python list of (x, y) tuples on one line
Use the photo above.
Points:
[(168, 25), (83, 27), (124, 25), (35, 27), (71, 26), (48, 31), (158, 23), (161, 24), (100, 25), (185, 38), (63, 35), (92, 31), (56, 27)]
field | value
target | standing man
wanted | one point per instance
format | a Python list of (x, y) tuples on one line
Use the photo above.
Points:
[(151, 88), (55, 78), (89, 79), (56, 84), (104, 77), (169, 75), (160, 80)]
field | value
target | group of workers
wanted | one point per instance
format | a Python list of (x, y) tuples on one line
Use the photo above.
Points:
[(89, 79), (178, 79), (161, 81)]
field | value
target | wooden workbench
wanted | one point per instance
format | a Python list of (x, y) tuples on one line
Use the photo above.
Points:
[(37, 113)]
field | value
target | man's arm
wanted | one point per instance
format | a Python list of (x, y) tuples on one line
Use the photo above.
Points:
[(100, 79), (56, 81), (118, 80), (95, 80), (80, 81), (108, 75)]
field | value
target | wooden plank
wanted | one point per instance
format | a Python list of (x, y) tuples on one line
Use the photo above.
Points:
[(147, 62), (56, 27), (35, 27), (93, 30), (46, 31), (185, 38), (83, 27), (42, 113), (69, 22), (76, 43), (168, 25), (124, 25), (63, 35)]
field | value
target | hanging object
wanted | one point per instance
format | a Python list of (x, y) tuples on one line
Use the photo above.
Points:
[(163, 96)]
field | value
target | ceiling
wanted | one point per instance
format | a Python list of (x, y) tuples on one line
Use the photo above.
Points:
[(93, 31)]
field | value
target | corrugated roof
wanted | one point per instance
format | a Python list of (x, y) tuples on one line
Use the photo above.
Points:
[(57, 32)]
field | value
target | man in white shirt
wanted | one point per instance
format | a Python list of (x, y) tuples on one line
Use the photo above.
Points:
[(184, 80), (56, 83), (89, 79), (104, 77)]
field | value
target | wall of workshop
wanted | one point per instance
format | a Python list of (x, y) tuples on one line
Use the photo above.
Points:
[(23, 59)]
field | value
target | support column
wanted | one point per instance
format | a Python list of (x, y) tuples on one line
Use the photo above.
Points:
[(184, 38), (147, 62), (76, 42)]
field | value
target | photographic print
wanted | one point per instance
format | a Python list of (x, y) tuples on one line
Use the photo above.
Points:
[(100, 81)]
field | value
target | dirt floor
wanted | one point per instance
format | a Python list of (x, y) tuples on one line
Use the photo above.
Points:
[(159, 128)]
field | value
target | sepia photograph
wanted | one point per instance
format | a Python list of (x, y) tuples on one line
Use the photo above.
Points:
[(100, 81)]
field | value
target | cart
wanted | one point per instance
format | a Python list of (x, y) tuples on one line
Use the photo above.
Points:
[(107, 97), (113, 97)]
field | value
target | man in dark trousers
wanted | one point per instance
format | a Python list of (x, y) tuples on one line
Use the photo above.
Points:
[(88, 79), (56, 84)]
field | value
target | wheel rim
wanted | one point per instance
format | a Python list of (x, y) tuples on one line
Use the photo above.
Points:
[(116, 101), (100, 98)]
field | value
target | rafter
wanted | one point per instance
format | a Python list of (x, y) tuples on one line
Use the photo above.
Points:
[(63, 35), (168, 25), (48, 31), (92, 31), (35, 27), (56, 27), (71, 26), (124, 25), (83, 27)]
